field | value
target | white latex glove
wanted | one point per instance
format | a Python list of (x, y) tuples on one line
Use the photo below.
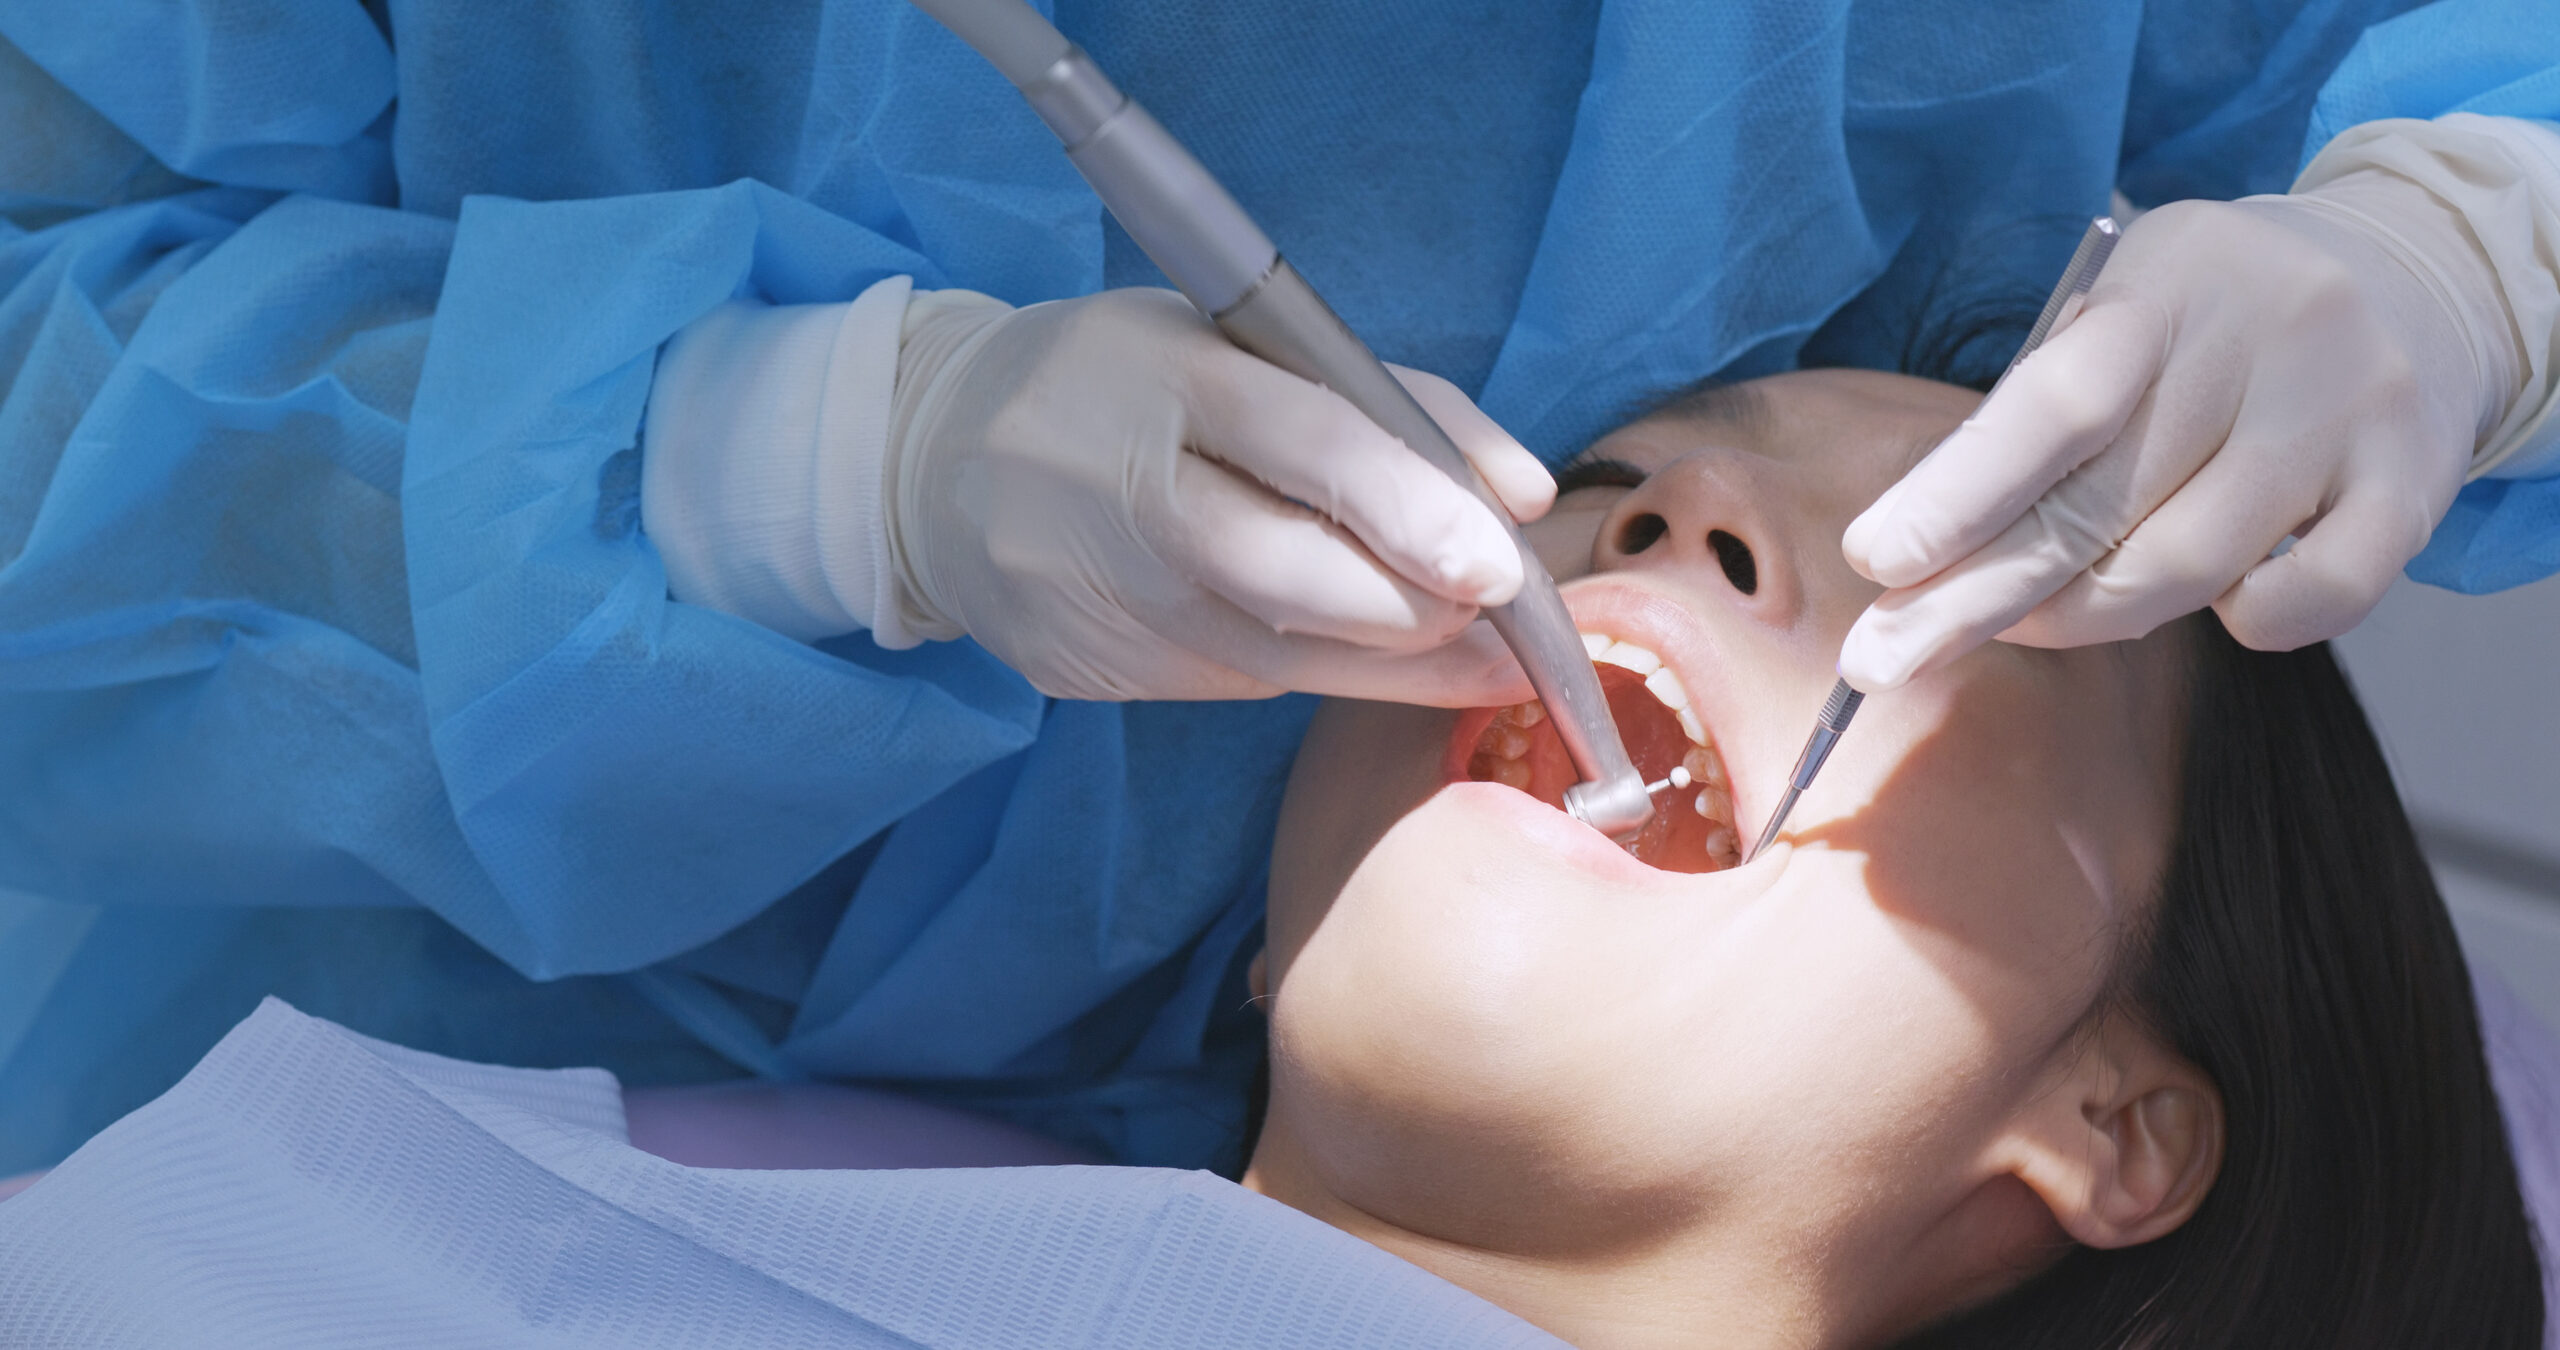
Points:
[(1100, 492), (2326, 365), (1097, 490)]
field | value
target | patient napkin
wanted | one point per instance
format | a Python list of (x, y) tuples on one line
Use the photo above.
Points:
[(307, 1186)]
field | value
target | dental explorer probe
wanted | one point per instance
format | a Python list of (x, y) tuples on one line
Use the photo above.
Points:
[(2063, 304), (1233, 273)]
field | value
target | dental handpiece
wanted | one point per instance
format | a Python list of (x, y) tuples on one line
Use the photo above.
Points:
[(2068, 295), (1232, 272)]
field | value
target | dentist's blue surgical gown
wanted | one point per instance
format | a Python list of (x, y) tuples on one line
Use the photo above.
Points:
[(335, 665)]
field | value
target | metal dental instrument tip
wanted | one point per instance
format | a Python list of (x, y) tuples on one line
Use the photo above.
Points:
[(1836, 712), (2096, 243), (1677, 778)]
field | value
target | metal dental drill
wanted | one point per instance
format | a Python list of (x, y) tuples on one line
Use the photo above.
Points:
[(2086, 261), (1224, 264)]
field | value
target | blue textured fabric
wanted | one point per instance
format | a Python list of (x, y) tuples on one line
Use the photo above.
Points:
[(305, 1187), (261, 93), (333, 661)]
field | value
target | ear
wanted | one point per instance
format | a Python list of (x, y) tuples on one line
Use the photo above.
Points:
[(2125, 1141)]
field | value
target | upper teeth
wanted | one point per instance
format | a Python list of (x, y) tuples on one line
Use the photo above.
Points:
[(1657, 678)]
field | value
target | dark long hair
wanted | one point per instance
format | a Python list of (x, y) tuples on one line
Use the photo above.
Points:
[(2300, 956)]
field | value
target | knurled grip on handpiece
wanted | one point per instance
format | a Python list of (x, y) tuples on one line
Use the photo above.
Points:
[(1827, 726), (1193, 229)]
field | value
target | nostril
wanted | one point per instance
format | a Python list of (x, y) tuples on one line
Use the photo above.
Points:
[(1641, 532), (1735, 557)]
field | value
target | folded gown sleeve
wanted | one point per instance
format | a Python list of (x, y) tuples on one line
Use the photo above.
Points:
[(638, 775), (2496, 58), (322, 580)]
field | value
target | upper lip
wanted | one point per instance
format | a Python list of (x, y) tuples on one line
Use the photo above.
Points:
[(1663, 622)]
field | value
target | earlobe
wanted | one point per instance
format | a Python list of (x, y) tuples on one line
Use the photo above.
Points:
[(2167, 1146), (2125, 1146)]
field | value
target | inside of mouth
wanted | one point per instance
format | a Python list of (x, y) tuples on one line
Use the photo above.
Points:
[(1692, 829)]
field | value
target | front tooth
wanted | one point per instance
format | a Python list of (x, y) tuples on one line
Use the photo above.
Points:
[(1593, 644), (1631, 656), (1666, 689), (1691, 727)]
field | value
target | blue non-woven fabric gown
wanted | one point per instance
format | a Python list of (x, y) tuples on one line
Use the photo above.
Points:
[(333, 662)]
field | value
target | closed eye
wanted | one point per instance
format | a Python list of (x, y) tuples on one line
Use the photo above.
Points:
[(1598, 473)]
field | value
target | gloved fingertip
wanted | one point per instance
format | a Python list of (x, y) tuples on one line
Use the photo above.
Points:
[(1872, 662), (1857, 547), (1528, 492), (1480, 576), (1880, 543), (1896, 560), (1477, 562)]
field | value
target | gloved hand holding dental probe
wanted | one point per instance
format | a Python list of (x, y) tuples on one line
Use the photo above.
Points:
[(1104, 492), (2328, 365)]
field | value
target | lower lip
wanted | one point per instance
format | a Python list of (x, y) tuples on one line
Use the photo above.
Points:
[(1544, 828)]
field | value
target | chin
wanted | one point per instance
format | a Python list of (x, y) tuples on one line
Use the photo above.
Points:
[(1445, 1040)]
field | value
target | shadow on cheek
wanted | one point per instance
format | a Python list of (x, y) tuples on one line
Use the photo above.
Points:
[(1966, 838), (1362, 768)]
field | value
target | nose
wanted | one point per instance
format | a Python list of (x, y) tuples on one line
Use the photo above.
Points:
[(1691, 519)]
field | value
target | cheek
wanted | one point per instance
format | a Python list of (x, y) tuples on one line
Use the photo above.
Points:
[(1472, 1034), (1987, 828), (1360, 768), (1829, 1050)]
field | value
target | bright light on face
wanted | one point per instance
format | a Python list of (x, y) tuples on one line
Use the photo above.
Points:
[(1492, 1027)]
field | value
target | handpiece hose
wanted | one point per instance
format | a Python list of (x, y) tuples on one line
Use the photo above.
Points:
[(1231, 271)]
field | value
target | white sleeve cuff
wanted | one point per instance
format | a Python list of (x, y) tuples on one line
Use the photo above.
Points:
[(2501, 176), (760, 480)]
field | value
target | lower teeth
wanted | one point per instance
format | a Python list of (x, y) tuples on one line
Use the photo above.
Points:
[(1704, 765)]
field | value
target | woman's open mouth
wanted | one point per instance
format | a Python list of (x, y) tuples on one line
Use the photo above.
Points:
[(1692, 829)]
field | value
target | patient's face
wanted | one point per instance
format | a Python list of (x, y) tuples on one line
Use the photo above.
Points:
[(1493, 1026)]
